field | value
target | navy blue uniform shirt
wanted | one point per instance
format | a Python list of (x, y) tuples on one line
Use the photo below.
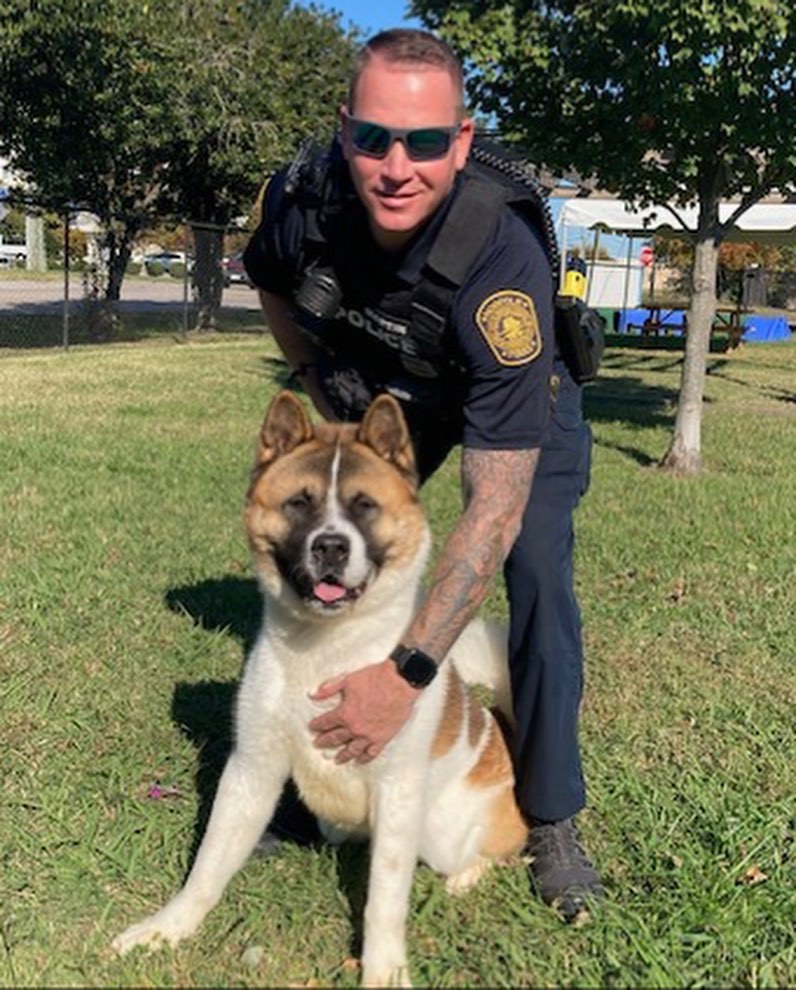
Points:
[(494, 392)]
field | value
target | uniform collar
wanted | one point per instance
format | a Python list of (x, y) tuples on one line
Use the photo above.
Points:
[(407, 264)]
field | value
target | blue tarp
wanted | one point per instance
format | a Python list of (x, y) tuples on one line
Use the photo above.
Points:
[(760, 328), (756, 328)]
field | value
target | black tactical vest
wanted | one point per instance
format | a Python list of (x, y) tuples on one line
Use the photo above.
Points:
[(412, 321)]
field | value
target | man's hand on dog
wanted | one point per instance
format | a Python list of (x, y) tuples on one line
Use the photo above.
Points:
[(375, 703)]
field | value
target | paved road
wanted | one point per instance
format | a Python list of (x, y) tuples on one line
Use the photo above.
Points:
[(26, 295)]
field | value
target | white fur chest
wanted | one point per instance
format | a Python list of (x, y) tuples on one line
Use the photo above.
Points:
[(274, 708)]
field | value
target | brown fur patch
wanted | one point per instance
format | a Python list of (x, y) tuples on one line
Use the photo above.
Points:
[(507, 831), (450, 725), (494, 763), (476, 721)]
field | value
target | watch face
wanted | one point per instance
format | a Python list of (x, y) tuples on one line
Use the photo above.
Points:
[(414, 666)]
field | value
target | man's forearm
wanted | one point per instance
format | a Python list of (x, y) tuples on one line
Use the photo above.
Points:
[(497, 485), (300, 353)]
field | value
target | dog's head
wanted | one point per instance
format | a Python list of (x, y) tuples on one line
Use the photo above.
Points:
[(332, 510)]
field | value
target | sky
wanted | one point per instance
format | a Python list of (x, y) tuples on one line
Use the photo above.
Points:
[(371, 15)]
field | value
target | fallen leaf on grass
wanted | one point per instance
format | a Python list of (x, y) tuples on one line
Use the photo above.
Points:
[(159, 791), (752, 876), (677, 593)]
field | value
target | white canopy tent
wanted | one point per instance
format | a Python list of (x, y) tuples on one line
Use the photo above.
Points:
[(770, 223)]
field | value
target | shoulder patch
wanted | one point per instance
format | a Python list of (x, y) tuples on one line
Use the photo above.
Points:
[(508, 322)]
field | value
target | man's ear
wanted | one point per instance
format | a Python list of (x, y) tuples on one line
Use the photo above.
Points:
[(464, 140), (344, 114)]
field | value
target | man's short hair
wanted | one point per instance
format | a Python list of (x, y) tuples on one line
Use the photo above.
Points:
[(409, 46)]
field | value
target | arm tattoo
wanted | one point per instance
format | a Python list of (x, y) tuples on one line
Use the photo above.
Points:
[(496, 486)]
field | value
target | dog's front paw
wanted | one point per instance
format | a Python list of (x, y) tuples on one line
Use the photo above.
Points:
[(166, 927), (397, 977)]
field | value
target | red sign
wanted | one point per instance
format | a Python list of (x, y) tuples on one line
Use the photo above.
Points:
[(646, 256)]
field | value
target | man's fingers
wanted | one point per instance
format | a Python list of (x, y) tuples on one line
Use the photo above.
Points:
[(328, 689), (355, 750), (327, 722), (370, 753), (336, 736)]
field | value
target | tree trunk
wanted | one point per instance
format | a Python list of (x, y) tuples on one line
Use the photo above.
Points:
[(208, 274), (684, 455), (120, 249)]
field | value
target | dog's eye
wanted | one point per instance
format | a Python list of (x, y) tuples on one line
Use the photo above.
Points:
[(363, 506), (299, 504)]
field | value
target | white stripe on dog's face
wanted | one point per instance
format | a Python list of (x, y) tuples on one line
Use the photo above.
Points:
[(336, 553)]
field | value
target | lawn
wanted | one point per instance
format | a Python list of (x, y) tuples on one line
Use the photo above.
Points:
[(127, 603)]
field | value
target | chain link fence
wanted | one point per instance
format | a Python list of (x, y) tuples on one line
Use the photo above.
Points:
[(45, 303)]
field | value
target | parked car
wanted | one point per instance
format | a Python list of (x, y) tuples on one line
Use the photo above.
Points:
[(234, 272), (162, 261), (12, 254)]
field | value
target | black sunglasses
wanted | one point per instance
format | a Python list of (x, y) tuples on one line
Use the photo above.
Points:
[(423, 144)]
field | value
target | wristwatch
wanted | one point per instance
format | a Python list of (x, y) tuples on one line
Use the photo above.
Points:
[(415, 666)]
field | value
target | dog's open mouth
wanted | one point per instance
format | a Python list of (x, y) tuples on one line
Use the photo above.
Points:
[(331, 594)]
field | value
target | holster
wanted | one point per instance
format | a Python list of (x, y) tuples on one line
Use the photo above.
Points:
[(580, 336)]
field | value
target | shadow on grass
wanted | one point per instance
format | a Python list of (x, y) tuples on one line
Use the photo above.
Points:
[(204, 711), (276, 368), (774, 392), (628, 398), (40, 327), (229, 604)]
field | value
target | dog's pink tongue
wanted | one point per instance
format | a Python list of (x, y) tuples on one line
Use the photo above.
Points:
[(329, 592)]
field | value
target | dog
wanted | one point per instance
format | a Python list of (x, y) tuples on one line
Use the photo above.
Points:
[(340, 541)]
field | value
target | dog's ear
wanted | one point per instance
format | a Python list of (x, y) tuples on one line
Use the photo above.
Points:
[(384, 430), (286, 425)]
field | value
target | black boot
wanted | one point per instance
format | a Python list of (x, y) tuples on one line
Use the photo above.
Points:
[(562, 873)]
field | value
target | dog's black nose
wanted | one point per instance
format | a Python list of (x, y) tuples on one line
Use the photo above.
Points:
[(331, 550)]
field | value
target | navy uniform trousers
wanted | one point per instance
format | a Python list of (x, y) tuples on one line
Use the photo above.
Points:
[(545, 645)]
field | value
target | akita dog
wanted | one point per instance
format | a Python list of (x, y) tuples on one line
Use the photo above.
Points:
[(340, 541)]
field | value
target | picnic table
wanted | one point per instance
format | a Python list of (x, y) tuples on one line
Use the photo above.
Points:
[(730, 320), (654, 321)]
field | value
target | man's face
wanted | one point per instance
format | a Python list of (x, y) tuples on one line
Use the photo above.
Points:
[(400, 194)]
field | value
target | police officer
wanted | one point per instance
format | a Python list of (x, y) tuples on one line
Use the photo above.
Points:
[(490, 387)]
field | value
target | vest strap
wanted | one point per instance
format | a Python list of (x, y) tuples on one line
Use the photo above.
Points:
[(464, 234)]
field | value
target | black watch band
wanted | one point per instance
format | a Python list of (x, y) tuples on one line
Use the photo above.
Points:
[(415, 666)]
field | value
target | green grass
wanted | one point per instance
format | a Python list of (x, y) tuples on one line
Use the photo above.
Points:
[(127, 602)]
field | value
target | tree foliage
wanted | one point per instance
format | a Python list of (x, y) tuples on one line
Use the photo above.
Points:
[(667, 101), (85, 109), (254, 78), (178, 107)]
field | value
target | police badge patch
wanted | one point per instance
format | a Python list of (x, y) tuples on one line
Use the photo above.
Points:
[(508, 322)]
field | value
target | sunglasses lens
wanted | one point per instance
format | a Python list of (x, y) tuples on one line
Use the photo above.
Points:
[(370, 139), (422, 145), (427, 144)]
